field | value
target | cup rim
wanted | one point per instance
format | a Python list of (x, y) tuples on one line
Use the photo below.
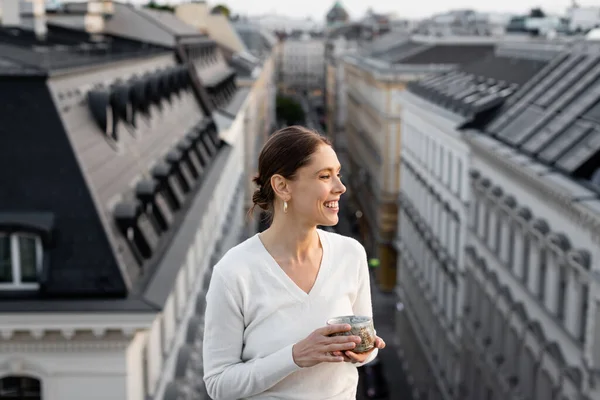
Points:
[(361, 319)]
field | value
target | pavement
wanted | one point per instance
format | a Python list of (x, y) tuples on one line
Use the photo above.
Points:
[(384, 306)]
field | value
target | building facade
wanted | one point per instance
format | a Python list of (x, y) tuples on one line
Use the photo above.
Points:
[(373, 82), (251, 54), (128, 188), (302, 64), (499, 304)]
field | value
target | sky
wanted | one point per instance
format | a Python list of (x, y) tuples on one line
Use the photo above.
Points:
[(316, 9)]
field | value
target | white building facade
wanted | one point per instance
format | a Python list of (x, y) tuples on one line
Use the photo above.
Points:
[(431, 238), (532, 311), (303, 64), (498, 267)]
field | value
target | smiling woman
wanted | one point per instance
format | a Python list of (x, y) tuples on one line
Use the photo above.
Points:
[(270, 297)]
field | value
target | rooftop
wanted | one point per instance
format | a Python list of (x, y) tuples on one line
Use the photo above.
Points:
[(131, 150), (555, 117), (160, 28), (477, 87), (23, 53)]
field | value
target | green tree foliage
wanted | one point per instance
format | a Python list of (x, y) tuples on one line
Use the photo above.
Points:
[(160, 7), (289, 110), (221, 9), (537, 13)]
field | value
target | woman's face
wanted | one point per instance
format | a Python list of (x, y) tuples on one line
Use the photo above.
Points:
[(317, 188)]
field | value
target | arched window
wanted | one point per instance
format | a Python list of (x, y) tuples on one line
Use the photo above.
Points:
[(20, 388)]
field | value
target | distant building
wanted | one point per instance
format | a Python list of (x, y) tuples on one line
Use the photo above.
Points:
[(337, 15), (284, 24), (341, 40), (463, 23), (252, 53), (302, 64), (373, 130), (583, 19)]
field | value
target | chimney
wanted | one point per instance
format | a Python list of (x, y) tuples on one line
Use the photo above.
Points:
[(94, 19), (11, 12), (108, 8), (39, 19)]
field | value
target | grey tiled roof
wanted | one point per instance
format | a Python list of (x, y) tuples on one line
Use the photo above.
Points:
[(478, 87), (555, 117), (63, 48)]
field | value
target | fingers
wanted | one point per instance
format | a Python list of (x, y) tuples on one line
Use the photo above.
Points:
[(341, 354), (356, 358), (330, 329), (379, 343), (344, 339), (340, 346), (330, 358)]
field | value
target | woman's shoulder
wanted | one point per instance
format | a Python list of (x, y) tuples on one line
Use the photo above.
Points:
[(238, 258), (343, 243)]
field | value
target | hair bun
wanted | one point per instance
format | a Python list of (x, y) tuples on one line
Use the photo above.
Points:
[(260, 199)]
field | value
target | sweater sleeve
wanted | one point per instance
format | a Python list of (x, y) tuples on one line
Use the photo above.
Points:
[(226, 376), (362, 304)]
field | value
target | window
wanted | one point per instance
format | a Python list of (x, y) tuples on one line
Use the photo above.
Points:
[(20, 388), (585, 291), (562, 292), (20, 260), (459, 176), (525, 258), (542, 271)]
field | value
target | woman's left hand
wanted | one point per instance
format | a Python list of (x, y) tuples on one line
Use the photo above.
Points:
[(350, 356)]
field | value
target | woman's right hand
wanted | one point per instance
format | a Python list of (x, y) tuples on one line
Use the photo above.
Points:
[(319, 346)]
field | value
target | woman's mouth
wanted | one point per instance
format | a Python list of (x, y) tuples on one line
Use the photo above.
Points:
[(332, 205)]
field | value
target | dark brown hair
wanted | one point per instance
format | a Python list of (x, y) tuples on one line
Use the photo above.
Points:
[(285, 152)]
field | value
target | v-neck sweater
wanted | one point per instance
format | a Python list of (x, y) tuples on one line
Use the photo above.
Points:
[(255, 313)]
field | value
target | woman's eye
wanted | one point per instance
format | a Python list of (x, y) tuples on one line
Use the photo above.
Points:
[(340, 176), (324, 176)]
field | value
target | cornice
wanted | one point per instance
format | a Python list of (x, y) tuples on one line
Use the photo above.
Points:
[(62, 347)]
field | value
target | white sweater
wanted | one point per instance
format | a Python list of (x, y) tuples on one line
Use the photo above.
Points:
[(255, 313)]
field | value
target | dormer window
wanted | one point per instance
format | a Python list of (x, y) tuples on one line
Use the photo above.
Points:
[(21, 256)]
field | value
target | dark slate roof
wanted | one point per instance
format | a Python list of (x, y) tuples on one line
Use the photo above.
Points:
[(459, 54), (481, 86), (80, 181), (401, 49), (555, 117), (37, 163), (507, 69), (244, 64), (22, 53), (161, 28)]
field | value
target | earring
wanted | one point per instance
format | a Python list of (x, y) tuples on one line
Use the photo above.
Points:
[(285, 206)]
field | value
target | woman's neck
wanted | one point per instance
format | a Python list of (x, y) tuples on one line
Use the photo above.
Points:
[(290, 239)]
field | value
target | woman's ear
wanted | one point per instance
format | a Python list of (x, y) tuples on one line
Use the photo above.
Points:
[(281, 187)]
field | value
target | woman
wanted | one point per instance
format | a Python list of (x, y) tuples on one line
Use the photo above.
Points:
[(270, 296)]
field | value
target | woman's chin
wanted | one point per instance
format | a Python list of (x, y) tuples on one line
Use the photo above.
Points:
[(331, 221)]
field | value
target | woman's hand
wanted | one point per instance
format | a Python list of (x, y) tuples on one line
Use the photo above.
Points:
[(318, 347), (350, 356)]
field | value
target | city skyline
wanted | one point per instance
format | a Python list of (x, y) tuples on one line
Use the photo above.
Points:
[(316, 9)]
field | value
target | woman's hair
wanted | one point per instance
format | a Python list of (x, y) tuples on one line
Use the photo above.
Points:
[(285, 152)]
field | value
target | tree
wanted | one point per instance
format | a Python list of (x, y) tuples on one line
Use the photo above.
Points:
[(537, 13), (221, 9), (289, 111), (160, 7)]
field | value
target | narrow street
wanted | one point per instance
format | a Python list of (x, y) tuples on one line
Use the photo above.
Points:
[(384, 305)]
